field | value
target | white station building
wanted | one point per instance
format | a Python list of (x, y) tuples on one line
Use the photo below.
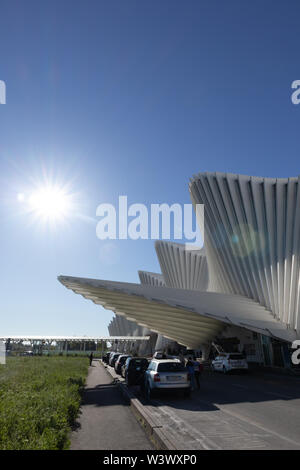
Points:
[(242, 289)]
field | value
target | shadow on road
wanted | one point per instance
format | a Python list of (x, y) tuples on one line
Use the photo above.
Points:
[(103, 395), (217, 389)]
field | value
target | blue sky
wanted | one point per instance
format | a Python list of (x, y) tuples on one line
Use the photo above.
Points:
[(129, 98)]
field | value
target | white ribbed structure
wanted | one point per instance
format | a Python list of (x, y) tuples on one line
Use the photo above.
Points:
[(151, 279), (252, 239), (189, 317), (120, 326), (154, 279), (182, 267)]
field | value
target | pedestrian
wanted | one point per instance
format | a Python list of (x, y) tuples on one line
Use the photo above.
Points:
[(91, 358), (191, 371), (198, 370)]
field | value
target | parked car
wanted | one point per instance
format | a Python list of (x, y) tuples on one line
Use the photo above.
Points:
[(134, 370), (225, 362), (166, 374), (113, 359), (110, 355), (119, 362), (105, 357), (123, 367)]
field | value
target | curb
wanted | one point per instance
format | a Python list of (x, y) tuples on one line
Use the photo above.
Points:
[(155, 431)]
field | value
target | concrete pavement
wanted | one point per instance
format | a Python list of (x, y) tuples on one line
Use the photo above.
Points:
[(106, 421), (233, 412)]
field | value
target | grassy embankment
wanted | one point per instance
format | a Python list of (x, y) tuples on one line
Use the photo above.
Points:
[(39, 401)]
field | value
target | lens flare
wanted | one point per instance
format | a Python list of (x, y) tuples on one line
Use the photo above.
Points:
[(50, 203)]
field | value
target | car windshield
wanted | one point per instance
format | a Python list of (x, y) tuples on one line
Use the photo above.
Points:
[(171, 367), (236, 357)]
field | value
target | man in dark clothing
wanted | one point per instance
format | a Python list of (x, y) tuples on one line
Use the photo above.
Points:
[(91, 358), (191, 371), (198, 367)]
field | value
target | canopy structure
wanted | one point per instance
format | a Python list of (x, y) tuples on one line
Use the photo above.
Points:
[(72, 338), (189, 317)]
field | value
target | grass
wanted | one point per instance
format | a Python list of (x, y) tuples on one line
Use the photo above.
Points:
[(39, 401)]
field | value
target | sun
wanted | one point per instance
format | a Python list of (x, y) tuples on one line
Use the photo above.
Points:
[(50, 203)]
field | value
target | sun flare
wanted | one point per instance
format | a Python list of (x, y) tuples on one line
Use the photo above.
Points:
[(50, 203)]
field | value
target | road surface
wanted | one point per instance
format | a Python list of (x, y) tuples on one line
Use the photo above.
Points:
[(251, 411)]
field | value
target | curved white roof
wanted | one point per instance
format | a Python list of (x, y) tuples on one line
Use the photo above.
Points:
[(189, 317)]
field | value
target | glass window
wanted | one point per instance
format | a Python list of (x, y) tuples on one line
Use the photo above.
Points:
[(236, 357), (171, 367)]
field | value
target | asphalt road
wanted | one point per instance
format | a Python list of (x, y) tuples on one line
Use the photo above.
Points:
[(252, 411), (106, 422)]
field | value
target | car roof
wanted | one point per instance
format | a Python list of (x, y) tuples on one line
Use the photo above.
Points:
[(165, 360), (136, 357)]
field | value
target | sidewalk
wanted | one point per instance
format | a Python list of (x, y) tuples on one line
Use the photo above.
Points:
[(106, 422)]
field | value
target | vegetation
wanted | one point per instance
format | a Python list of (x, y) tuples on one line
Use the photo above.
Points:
[(39, 401)]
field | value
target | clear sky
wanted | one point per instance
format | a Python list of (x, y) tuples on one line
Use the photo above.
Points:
[(129, 97)]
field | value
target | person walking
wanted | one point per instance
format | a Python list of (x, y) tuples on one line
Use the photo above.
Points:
[(91, 358), (198, 370), (191, 371)]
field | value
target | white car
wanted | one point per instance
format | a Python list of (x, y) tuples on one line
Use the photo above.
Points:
[(226, 362), (166, 374)]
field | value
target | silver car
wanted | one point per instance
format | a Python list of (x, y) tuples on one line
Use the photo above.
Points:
[(166, 374)]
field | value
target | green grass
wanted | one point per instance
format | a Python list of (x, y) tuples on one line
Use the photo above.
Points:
[(39, 401)]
